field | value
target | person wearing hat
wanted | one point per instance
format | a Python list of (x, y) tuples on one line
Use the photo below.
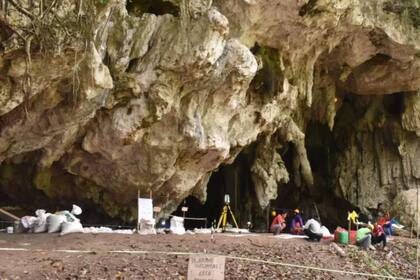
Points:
[(297, 223)]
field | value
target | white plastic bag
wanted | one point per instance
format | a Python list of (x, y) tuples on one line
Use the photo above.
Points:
[(177, 225), (71, 227), (147, 226), (325, 232), (54, 222), (28, 221), (40, 224)]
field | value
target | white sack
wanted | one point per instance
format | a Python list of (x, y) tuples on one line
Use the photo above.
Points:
[(71, 227), (28, 221), (325, 232), (54, 222), (69, 216), (147, 226), (177, 225), (40, 224)]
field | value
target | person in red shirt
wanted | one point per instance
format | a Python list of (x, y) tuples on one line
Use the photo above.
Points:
[(386, 223), (378, 235), (278, 224)]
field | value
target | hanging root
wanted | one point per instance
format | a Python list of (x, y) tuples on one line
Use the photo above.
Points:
[(27, 87)]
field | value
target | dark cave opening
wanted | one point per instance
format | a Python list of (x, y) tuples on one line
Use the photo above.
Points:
[(22, 192), (157, 7), (323, 148), (394, 104), (234, 180)]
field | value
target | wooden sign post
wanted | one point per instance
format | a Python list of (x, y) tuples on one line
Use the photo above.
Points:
[(206, 267), (184, 209)]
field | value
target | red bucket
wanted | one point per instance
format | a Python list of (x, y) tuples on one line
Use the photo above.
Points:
[(353, 237)]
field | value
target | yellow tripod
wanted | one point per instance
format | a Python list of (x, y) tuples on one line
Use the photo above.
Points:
[(223, 217)]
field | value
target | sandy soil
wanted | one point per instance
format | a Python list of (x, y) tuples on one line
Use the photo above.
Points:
[(41, 260)]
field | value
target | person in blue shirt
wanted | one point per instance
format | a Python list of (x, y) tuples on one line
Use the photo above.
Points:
[(297, 223)]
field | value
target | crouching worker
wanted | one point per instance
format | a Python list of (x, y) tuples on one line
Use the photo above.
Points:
[(386, 223), (297, 223), (364, 237), (378, 235), (312, 229), (278, 224)]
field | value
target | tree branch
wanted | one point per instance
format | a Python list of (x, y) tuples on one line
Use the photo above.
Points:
[(21, 9)]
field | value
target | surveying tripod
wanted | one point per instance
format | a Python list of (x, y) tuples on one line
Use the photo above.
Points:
[(223, 217)]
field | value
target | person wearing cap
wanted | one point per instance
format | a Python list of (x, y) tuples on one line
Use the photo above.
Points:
[(364, 237), (297, 223), (278, 224)]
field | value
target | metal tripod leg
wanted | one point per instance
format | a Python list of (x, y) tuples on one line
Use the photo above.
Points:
[(223, 218), (233, 217)]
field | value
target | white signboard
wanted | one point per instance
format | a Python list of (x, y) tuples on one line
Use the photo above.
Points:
[(206, 267), (145, 208)]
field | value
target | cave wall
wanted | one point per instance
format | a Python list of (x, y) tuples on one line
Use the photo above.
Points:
[(160, 95)]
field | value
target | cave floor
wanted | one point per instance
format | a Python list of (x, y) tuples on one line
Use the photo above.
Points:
[(89, 257)]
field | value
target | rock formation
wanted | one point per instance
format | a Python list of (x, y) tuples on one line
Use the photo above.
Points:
[(100, 99)]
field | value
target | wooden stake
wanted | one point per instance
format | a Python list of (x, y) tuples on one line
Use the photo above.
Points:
[(10, 215), (349, 230), (268, 217), (417, 234)]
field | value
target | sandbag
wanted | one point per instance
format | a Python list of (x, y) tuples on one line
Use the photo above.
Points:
[(147, 226), (177, 225), (28, 221), (54, 222), (71, 227), (69, 216), (325, 232), (40, 224)]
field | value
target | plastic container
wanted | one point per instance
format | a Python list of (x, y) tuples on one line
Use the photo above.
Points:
[(352, 237), (343, 237), (9, 229), (336, 232)]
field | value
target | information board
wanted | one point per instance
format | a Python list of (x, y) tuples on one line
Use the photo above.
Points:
[(145, 208), (206, 267)]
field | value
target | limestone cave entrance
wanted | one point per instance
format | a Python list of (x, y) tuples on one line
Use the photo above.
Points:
[(234, 180)]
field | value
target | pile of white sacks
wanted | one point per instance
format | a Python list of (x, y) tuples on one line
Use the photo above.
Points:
[(64, 222)]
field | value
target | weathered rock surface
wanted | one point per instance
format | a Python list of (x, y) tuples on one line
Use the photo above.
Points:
[(110, 102)]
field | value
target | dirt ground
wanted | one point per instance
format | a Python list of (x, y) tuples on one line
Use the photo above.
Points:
[(40, 257)]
